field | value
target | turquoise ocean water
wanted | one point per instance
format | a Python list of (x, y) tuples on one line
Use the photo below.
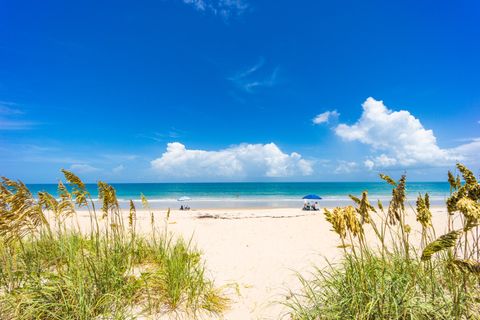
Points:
[(254, 194)]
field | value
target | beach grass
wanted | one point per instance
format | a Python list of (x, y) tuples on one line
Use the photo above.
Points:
[(393, 277), (51, 268)]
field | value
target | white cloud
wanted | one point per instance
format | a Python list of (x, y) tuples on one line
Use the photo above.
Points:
[(240, 161), (385, 161), (396, 137), (325, 117), (82, 168), (222, 8), (345, 166)]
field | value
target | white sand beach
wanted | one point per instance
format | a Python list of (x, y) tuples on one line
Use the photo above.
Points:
[(255, 253)]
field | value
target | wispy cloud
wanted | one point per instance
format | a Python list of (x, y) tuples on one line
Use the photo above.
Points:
[(63, 156), (8, 108), (173, 133), (267, 82), (255, 77), (345, 167), (469, 151), (82, 168), (250, 70), (116, 157), (221, 8), (31, 153), (9, 117), (6, 124), (118, 169)]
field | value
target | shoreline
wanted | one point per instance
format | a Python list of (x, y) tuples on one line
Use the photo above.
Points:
[(258, 203)]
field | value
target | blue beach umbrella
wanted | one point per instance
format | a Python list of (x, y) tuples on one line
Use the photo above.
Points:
[(312, 197)]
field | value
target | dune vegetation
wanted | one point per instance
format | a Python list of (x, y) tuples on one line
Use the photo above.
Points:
[(51, 268), (394, 277)]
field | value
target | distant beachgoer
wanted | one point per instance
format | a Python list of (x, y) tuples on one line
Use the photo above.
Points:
[(181, 207)]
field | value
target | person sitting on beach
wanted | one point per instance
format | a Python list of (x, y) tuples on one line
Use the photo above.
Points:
[(181, 207)]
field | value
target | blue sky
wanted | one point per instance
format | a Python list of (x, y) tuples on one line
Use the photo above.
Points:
[(227, 90)]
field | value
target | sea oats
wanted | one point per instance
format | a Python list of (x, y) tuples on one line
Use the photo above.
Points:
[(454, 182), (467, 175), (79, 190), (48, 202), (443, 242), (73, 179), (337, 220), (108, 197), (21, 214), (388, 179), (351, 221), (468, 266), (424, 216), (380, 205), (132, 214), (397, 204)]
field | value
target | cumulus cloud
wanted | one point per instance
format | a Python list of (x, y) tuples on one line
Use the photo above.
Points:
[(222, 8), (240, 161), (385, 161), (325, 117), (396, 137), (82, 168)]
